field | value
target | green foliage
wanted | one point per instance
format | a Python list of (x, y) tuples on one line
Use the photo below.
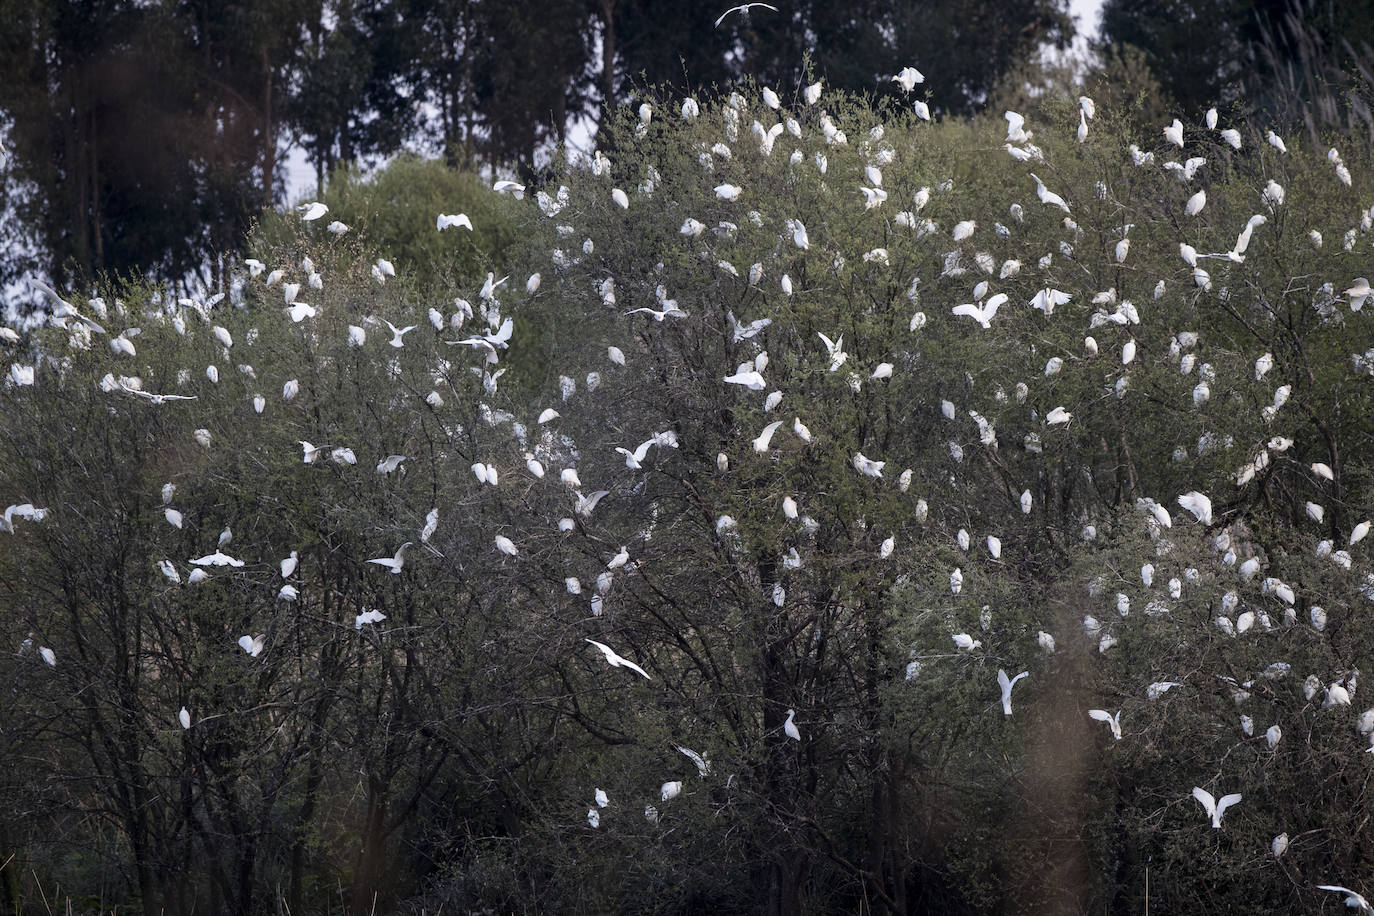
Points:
[(395, 209), (448, 754)]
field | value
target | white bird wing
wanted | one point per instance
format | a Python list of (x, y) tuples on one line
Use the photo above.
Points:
[(1208, 802), (765, 437), (972, 311), (1225, 802), (1004, 682), (388, 562), (1101, 715)]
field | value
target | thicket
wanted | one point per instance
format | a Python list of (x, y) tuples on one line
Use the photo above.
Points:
[(436, 737)]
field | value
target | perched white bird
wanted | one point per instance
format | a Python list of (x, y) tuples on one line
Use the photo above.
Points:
[(867, 466), (670, 790), (506, 545), (1174, 133), (217, 559), (396, 563), (966, 642), (1113, 721), (789, 726), (1007, 684), (1196, 203), (1215, 808), (1277, 142), (1359, 532), (616, 661)]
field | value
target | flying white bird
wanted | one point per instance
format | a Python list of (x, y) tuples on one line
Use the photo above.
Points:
[(835, 349), (395, 563), (253, 645), (1198, 504), (1047, 196), (455, 220), (1113, 721), (312, 211), (1007, 684), (765, 437), (908, 77), (398, 333), (617, 661), (1215, 807), (390, 463), (1352, 899), (743, 8), (982, 314)]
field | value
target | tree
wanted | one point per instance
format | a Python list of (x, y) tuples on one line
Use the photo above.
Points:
[(798, 707)]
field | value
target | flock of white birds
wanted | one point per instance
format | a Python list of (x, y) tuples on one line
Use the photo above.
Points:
[(750, 379)]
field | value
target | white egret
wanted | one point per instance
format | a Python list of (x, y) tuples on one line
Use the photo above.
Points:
[(744, 8), (1113, 721), (761, 443), (1352, 899), (396, 563), (789, 726), (1174, 133), (965, 641), (253, 645), (1215, 808), (867, 466), (454, 220), (1047, 196), (506, 546), (184, 717), (390, 463), (1198, 504), (217, 559), (618, 661), (1007, 684), (312, 211)]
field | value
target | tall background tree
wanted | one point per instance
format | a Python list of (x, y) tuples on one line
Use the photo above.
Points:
[(147, 136)]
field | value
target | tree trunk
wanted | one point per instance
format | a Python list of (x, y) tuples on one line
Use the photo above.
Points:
[(269, 134), (372, 853)]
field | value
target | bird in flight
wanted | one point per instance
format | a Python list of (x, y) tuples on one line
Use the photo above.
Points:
[(743, 8)]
